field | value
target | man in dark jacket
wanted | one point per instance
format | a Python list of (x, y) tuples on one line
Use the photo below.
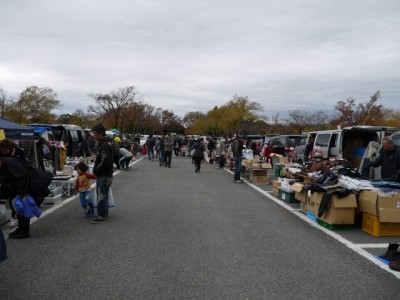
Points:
[(103, 169), (389, 160), (237, 153), (14, 181)]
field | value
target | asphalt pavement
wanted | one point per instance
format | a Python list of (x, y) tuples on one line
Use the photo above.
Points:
[(177, 234)]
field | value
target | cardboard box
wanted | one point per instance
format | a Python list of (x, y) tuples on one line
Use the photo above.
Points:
[(275, 155), (386, 208), (258, 172), (266, 166), (311, 205), (339, 210), (283, 160), (299, 193), (275, 187), (259, 179)]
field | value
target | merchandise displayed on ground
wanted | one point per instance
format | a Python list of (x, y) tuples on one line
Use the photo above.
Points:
[(343, 203)]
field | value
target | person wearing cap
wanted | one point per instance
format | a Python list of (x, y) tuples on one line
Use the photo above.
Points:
[(103, 169), (237, 153)]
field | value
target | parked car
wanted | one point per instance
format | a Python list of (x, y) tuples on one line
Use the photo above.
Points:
[(301, 146), (348, 143), (281, 144)]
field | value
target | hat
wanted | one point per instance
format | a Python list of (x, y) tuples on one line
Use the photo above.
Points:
[(117, 139)]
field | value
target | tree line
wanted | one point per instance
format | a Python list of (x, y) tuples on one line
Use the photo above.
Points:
[(125, 110)]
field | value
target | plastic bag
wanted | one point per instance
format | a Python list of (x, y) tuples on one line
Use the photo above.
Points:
[(111, 202)]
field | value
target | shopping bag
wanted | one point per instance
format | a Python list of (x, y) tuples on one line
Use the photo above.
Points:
[(111, 202)]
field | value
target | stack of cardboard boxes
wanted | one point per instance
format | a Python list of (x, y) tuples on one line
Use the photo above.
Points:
[(381, 215), (259, 172)]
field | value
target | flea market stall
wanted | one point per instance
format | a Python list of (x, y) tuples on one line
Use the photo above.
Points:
[(338, 197)]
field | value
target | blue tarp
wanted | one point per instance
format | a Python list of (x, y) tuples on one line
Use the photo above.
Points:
[(16, 131)]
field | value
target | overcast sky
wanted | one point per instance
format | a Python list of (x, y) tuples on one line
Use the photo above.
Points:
[(190, 55)]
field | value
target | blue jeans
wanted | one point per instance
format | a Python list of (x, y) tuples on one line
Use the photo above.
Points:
[(150, 153), (102, 186), (85, 198), (238, 167), (161, 157)]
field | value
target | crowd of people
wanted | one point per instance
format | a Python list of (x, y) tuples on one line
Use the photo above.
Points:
[(113, 152)]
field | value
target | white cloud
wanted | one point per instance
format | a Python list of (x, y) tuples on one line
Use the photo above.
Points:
[(193, 55)]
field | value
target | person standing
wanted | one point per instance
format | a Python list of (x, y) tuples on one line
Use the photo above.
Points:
[(308, 149), (221, 154), (8, 148), (198, 154), (237, 153), (14, 181), (177, 146), (389, 160), (83, 187), (161, 157), (150, 143), (169, 145), (103, 169)]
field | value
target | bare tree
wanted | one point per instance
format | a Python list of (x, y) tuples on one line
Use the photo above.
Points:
[(110, 106), (368, 113)]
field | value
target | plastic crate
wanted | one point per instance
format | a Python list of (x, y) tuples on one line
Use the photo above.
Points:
[(372, 226), (287, 196), (335, 226), (55, 191)]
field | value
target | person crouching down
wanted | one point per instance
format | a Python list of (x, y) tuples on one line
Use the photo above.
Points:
[(125, 158), (82, 185)]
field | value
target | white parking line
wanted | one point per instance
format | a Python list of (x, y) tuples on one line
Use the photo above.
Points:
[(358, 248)]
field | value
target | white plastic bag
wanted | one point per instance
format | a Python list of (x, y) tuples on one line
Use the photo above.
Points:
[(111, 202)]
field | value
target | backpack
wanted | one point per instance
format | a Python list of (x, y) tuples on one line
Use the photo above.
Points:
[(39, 181)]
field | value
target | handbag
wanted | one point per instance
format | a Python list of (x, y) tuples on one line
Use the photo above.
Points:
[(193, 151)]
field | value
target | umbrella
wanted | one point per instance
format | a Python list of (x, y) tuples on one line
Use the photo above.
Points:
[(116, 131)]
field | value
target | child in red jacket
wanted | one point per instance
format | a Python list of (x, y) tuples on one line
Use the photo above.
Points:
[(82, 185)]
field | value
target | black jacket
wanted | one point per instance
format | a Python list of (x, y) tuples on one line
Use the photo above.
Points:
[(14, 177), (389, 163), (103, 165)]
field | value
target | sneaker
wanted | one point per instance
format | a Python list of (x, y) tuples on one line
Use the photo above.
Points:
[(238, 181), (98, 220), (13, 222), (89, 214)]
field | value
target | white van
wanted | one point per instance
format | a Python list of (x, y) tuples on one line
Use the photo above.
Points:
[(348, 143)]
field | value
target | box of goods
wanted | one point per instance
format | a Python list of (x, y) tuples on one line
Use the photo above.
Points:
[(371, 225), (299, 193), (386, 208), (339, 210), (311, 206), (255, 166), (259, 179), (283, 160), (287, 196), (265, 166), (276, 184), (259, 176)]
